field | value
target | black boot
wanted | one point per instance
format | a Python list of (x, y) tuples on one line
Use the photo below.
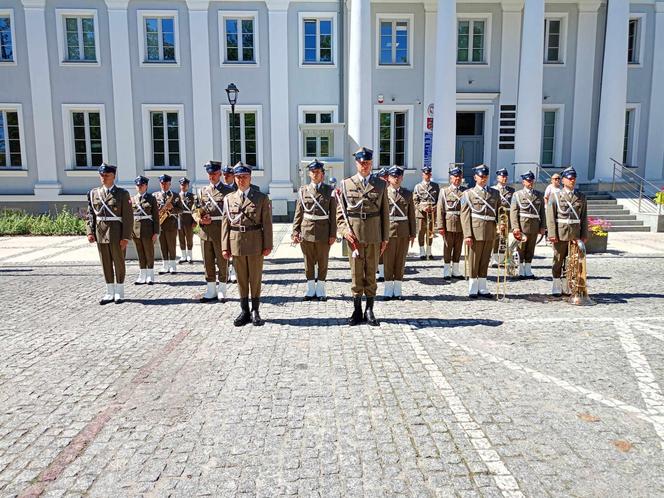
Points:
[(369, 314), (255, 317), (244, 317), (356, 317)]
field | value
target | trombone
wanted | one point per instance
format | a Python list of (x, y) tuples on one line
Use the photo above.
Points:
[(504, 266), (575, 272)]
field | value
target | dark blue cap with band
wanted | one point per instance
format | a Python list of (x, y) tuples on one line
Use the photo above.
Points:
[(212, 166), (141, 180), (395, 171), (107, 168), (363, 154), (528, 175), (426, 169), (316, 164), (481, 170), (502, 172), (568, 173), (456, 171), (227, 170), (184, 180), (165, 178), (241, 169)]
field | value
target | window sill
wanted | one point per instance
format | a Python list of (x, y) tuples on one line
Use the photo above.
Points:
[(634, 64), (81, 172), (472, 64), (394, 66), (156, 173), (13, 172), (555, 64), (8, 63), (80, 63), (159, 64), (235, 64), (318, 65)]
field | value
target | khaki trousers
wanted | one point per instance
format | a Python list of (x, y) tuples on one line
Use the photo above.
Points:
[(186, 236), (363, 270), (560, 250), (216, 267), (479, 256), (249, 270), (453, 246), (315, 253), (112, 262), (167, 242), (527, 249), (395, 258), (145, 250), (422, 230)]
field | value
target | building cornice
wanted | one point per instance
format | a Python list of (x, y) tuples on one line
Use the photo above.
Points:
[(117, 4), (277, 5), (198, 5), (589, 6), (34, 4)]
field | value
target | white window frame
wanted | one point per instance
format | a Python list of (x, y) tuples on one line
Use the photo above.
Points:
[(68, 133), (558, 133), (302, 110), (225, 133), (562, 50), (471, 16), (146, 109), (18, 109), (10, 13), (641, 38), (330, 15), (60, 15), (142, 37), (386, 16), (636, 109), (409, 110), (222, 15)]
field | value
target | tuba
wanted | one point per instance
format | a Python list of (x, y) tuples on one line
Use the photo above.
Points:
[(165, 210), (575, 272)]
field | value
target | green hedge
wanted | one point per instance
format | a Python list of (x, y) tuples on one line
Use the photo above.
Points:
[(14, 222)]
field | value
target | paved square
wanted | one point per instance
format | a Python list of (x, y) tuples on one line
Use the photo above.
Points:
[(162, 396)]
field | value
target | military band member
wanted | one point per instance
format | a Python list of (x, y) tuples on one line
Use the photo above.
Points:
[(109, 224), (506, 192), (448, 224), (382, 174), (146, 230), (247, 237), (315, 228), (567, 221), (168, 201), (209, 216), (479, 218), (402, 233), (527, 217), (228, 177), (363, 219), (425, 196), (186, 222)]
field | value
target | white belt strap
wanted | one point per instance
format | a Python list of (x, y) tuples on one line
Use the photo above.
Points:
[(455, 202), (313, 207), (566, 221), (221, 211), (486, 204), (142, 217), (104, 205), (456, 213), (216, 218), (528, 215), (396, 206), (483, 217), (109, 218), (315, 217), (398, 218)]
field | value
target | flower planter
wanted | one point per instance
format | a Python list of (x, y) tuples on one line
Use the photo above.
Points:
[(596, 244)]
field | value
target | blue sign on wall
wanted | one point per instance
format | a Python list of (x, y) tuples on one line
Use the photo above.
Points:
[(428, 139)]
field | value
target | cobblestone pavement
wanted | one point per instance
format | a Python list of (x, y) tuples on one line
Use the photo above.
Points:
[(162, 396)]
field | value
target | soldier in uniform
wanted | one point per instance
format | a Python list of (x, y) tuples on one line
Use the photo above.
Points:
[(315, 228), (448, 223), (506, 192), (228, 179), (363, 219), (402, 233), (527, 218), (110, 222), (210, 216), (247, 237), (146, 230), (567, 221), (382, 174), (479, 218), (425, 196), (186, 222), (169, 201)]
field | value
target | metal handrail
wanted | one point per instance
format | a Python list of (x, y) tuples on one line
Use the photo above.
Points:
[(636, 185)]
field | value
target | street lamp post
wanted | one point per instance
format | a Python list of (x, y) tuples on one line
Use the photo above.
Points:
[(231, 93)]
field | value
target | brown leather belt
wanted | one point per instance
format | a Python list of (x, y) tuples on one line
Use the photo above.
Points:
[(363, 216), (242, 228)]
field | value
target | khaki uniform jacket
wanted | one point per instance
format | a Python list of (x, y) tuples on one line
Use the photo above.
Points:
[(562, 207), (425, 195), (255, 211), (448, 209), (189, 203), (367, 209), (315, 230), (505, 193), (147, 227), (528, 211), (482, 203), (118, 201), (171, 222), (207, 197), (402, 204)]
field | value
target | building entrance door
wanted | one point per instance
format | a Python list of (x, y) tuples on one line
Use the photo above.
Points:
[(469, 142)]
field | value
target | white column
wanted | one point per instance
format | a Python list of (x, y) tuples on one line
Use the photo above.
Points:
[(201, 84), (360, 67), (430, 9), (613, 99), (655, 151), (281, 187), (47, 185), (583, 85), (509, 70), (123, 110), (528, 138), (444, 126)]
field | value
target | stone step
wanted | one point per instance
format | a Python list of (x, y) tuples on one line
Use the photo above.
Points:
[(607, 212), (599, 197), (602, 202), (629, 228), (622, 216), (623, 223)]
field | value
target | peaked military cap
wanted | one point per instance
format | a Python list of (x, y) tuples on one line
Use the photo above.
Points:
[(316, 164), (569, 172), (141, 180), (212, 166), (184, 180), (363, 154), (528, 175), (241, 169), (395, 171), (502, 172), (107, 168)]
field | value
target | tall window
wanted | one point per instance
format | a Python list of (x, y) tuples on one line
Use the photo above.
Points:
[(552, 41), (393, 42), (88, 149), (165, 139), (80, 39), (470, 41), (239, 40), (159, 39), (6, 42), (392, 135), (10, 139), (627, 137), (634, 41), (317, 41), (242, 138), (548, 138), (318, 142)]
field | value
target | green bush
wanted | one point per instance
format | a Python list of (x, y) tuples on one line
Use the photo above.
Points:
[(16, 222)]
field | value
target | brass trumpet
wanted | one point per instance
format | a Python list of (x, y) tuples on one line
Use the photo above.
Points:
[(575, 272)]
